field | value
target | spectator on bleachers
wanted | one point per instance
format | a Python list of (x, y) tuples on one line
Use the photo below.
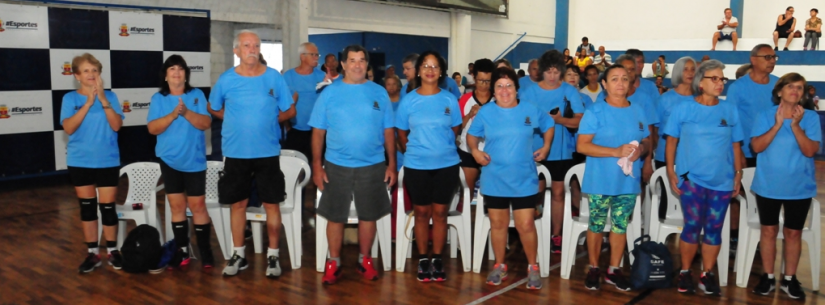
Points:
[(785, 25), (592, 90), (568, 60), (602, 60), (582, 60), (659, 81), (727, 29), (813, 29), (814, 97), (468, 81), (532, 74), (704, 59), (743, 69), (660, 67), (585, 46)]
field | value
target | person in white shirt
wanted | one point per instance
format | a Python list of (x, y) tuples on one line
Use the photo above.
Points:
[(602, 60), (468, 81), (727, 29)]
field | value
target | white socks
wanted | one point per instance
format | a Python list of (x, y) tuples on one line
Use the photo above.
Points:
[(241, 251), (771, 276), (96, 251), (272, 252), (788, 277)]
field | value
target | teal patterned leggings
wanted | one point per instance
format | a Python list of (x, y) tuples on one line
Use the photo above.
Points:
[(620, 208)]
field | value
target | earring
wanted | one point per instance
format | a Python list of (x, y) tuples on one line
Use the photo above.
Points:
[(165, 79)]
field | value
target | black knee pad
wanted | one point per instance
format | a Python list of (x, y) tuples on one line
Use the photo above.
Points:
[(88, 209), (108, 214)]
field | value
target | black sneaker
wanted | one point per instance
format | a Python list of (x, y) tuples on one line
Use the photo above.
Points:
[(592, 280), (207, 259), (425, 272), (709, 285), (438, 270), (793, 288), (116, 260), (776, 48), (177, 258), (90, 263), (618, 280), (765, 285), (785, 49), (686, 282)]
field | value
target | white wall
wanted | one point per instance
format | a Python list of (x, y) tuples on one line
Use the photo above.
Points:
[(254, 11), (760, 15), (608, 21), (375, 17), (492, 35)]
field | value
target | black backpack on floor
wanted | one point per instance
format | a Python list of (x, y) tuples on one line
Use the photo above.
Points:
[(141, 250), (652, 265)]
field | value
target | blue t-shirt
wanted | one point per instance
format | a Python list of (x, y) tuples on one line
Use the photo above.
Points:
[(648, 87), (612, 127), (664, 107), (181, 145), (782, 171), (647, 101), (586, 100), (706, 136), (94, 143), (251, 107), (448, 85), (430, 119), (355, 117), (547, 100), (750, 99), (525, 82), (304, 85), (508, 138)]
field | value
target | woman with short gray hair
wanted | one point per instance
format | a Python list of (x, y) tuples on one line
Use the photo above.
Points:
[(703, 137)]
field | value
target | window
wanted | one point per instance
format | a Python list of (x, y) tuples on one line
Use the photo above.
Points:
[(273, 53)]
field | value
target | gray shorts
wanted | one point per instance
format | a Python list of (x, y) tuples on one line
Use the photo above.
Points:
[(366, 184)]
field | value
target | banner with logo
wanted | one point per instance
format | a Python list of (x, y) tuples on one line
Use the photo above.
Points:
[(24, 26), (26, 111), (38, 43), (135, 31)]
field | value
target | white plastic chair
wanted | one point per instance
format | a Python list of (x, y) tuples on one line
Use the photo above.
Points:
[(574, 227), (673, 224), (458, 226), (143, 188), (482, 231), (213, 208), (383, 238), (750, 234), (292, 163)]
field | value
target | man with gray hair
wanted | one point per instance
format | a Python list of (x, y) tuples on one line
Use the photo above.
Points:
[(602, 60), (252, 99), (532, 74), (752, 93)]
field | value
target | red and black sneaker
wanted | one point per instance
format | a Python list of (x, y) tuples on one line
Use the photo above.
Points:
[(556, 244), (331, 272), (367, 270)]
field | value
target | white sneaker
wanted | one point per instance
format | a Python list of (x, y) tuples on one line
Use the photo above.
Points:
[(235, 264), (273, 268)]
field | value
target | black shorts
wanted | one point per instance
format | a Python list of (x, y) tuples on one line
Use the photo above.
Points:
[(235, 183), (723, 36), (796, 212), (558, 169), (750, 162), (783, 34), (431, 186), (300, 141), (659, 164), (518, 203), (467, 159), (193, 184), (99, 177), (579, 158)]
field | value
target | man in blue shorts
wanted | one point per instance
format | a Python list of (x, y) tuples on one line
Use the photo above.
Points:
[(252, 99), (353, 118)]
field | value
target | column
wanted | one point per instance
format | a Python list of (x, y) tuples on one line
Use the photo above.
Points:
[(459, 46), (294, 29)]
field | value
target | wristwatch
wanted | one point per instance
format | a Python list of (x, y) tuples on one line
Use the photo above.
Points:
[(738, 172)]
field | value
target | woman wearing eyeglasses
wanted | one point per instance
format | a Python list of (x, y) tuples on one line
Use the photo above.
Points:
[(428, 120), (508, 175), (786, 136), (703, 139)]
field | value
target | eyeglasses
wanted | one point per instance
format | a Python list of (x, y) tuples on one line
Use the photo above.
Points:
[(768, 57), (507, 86), (316, 55), (716, 79), (428, 67), (483, 81)]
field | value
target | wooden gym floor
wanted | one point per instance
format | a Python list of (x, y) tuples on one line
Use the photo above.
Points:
[(42, 246)]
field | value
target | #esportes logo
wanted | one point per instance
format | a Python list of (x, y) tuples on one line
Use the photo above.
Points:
[(128, 106), (67, 68), (125, 30), (5, 113), (16, 25)]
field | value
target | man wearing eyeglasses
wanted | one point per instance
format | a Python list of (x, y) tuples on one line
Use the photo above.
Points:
[(752, 93), (302, 82)]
